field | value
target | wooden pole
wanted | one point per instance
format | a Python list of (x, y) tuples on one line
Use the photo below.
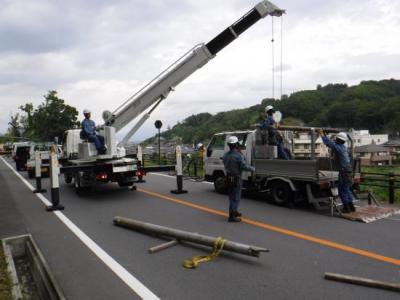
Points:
[(363, 281)]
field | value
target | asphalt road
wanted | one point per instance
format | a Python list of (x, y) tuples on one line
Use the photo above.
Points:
[(304, 244)]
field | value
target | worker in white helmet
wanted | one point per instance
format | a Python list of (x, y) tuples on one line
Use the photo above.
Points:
[(270, 125), (234, 165), (345, 170), (89, 132)]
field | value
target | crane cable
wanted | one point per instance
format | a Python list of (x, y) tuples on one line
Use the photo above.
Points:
[(281, 64), (273, 58)]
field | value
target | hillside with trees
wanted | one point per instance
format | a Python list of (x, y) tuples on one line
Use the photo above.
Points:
[(373, 105)]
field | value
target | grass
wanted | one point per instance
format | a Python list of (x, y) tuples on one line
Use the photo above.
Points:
[(382, 193), (5, 278)]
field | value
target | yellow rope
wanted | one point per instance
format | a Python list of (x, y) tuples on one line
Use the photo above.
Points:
[(196, 260)]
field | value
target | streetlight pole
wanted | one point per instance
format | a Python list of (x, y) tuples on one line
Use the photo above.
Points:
[(158, 125)]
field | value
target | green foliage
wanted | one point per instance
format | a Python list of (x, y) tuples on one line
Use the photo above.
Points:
[(373, 105), (5, 278), (382, 193), (49, 120)]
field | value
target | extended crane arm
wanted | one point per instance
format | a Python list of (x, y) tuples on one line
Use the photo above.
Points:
[(159, 87)]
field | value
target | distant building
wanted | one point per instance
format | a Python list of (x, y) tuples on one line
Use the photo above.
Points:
[(363, 137), (373, 154), (301, 146), (393, 147)]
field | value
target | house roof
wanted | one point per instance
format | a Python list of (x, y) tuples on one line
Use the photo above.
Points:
[(392, 143), (371, 148)]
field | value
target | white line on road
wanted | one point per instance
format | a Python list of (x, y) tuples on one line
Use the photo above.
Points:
[(119, 270)]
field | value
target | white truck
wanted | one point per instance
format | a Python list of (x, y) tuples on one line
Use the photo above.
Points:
[(81, 162), (288, 181), (44, 152)]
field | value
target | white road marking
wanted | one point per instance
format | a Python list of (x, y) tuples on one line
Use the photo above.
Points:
[(119, 270)]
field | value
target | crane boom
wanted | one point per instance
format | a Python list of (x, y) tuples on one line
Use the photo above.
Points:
[(159, 88)]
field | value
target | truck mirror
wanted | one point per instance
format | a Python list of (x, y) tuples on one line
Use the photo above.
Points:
[(209, 152)]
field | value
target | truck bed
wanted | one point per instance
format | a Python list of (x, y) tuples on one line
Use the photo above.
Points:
[(302, 170)]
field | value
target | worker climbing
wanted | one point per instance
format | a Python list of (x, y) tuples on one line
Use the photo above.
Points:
[(342, 159), (274, 138)]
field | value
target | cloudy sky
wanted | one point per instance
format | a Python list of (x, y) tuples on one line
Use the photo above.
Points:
[(97, 53)]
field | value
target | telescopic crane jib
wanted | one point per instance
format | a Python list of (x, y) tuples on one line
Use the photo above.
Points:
[(159, 88)]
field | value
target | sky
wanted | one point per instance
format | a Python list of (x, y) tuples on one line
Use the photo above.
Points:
[(98, 53)]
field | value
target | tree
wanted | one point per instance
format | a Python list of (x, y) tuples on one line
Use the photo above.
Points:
[(14, 126), (26, 120), (53, 117)]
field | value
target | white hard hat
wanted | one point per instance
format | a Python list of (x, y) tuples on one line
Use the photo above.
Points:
[(199, 145), (86, 111), (232, 139), (342, 136), (268, 108)]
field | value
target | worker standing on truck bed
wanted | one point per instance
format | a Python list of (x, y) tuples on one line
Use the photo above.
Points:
[(89, 132), (345, 171), (270, 125), (234, 165)]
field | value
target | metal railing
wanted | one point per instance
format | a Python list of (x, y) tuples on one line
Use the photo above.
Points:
[(193, 165), (389, 181)]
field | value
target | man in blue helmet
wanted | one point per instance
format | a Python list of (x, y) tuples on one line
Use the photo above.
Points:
[(234, 165), (89, 132), (345, 170), (270, 125)]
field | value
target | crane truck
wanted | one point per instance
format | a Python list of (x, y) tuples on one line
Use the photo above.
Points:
[(84, 166)]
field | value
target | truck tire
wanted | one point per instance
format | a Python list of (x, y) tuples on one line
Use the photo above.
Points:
[(125, 183), (281, 193), (220, 184), (31, 174), (67, 178), (77, 183)]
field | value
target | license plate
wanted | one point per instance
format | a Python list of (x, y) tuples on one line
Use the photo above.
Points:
[(335, 191), (124, 169)]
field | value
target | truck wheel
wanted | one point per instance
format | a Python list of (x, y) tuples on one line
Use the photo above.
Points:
[(281, 193), (125, 183), (31, 174), (220, 184), (77, 183), (67, 178)]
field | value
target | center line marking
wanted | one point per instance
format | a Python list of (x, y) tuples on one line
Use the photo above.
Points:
[(281, 230)]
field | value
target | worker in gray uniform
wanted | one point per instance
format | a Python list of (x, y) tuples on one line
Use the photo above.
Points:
[(234, 165)]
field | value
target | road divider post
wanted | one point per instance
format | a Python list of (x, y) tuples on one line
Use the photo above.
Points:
[(139, 156), (179, 173), (38, 173), (55, 183)]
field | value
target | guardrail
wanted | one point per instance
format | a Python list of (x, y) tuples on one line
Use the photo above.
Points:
[(192, 164), (390, 181)]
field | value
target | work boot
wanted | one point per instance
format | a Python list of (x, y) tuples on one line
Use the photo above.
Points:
[(233, 218), (346, 208), (351, 206), (237, 214)]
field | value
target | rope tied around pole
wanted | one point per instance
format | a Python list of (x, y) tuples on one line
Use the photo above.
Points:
[(193, 263)]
